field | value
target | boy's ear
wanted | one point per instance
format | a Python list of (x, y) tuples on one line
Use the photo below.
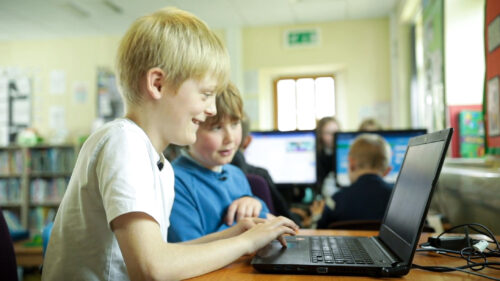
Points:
[(387, 171), (154, 82), (246, 142), (351, 163)]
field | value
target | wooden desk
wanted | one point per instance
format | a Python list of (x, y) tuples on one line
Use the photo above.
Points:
[(28, 256), (243, 270)]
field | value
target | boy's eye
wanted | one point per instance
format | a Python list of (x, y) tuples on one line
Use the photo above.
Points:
[(207, 94), (216, 128)]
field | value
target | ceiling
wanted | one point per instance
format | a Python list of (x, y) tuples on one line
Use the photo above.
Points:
[(30, 19)]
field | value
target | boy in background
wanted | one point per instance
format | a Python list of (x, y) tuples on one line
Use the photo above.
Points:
[(211, 194), (112, 222), (368, 195)]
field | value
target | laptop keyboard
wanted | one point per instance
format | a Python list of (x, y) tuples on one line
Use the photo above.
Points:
[(338, 250)]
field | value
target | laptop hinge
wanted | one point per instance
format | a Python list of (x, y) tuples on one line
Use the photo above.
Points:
[(381, 245)]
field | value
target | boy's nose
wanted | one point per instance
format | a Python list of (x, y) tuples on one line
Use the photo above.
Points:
[(211, 110), (228, 135)]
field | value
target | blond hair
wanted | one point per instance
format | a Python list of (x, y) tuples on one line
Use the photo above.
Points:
[(370, 124), (177, 42), (229, 104), (371, 151)]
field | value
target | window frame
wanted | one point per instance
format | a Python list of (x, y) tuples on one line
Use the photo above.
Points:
[(297, 77)]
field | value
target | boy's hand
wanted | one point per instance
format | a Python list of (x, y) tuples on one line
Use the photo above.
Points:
[(242, 208), (246, 223), (263, 233)]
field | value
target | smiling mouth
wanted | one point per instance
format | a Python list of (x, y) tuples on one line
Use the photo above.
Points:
[(225, 152), (196, 121)]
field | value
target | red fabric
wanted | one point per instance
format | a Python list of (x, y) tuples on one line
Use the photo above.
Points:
[(492, 60)]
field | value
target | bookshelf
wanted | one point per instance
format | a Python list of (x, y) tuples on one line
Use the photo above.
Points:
[(33, 181)]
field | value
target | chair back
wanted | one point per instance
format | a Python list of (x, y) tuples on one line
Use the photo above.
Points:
[(261, 189), (8, 266)]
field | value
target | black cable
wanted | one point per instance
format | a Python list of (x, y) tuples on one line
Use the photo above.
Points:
[(450, 269), (468, 253), (457, 253), (490, 234)]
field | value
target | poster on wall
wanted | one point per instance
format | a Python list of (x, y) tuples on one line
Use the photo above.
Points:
[(493, 108), (15, 105), (109, 101), (433, 52)]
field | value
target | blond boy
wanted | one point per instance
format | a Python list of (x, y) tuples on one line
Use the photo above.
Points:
[(113, 220), (367, 197)]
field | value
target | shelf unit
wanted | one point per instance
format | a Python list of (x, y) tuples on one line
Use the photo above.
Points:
[(33, 181)]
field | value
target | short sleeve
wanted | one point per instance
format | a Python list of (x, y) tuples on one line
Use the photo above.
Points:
[(125, 175)]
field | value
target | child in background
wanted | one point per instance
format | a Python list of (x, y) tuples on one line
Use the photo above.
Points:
[(211, 194), (112, 222), (368, 195), (325, 129), (370, 124)]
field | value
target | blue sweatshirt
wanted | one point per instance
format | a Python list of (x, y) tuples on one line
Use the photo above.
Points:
[(202, 197)]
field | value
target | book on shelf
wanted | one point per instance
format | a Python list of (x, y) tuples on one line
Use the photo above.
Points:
[(16, 230), (33, 181), (10, 191), (47, 191), (39, 217), (53, 160), (11, 162), (471, 134)]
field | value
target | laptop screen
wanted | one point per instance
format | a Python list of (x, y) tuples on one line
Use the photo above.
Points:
[(290, 157), (412, 192), (397, 139), (414, 186)]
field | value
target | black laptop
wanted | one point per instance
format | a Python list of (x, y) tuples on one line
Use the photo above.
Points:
[(391, 252)]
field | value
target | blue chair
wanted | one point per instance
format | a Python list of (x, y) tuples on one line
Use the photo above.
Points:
[(47, 230)]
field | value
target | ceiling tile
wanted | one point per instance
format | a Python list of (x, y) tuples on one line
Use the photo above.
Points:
[(52, 18)]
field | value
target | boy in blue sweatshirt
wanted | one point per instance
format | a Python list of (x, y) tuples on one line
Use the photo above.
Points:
[(210, 193)]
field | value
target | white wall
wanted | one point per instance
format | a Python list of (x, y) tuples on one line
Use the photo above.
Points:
[(464, 51)]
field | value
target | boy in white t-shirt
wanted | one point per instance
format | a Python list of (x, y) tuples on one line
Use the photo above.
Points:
[(112, 223)]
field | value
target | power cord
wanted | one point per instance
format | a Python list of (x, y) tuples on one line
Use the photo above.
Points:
[(464, 247)]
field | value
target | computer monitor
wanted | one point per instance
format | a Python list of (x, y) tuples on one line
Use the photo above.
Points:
[(397, 139), (290, 157)]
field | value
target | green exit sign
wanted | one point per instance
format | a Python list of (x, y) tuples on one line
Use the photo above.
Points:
[(301, 38)]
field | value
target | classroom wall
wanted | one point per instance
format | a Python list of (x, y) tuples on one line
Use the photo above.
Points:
[(401, 62), (356, 52), (79, 59)]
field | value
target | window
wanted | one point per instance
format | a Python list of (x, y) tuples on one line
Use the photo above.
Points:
[(300, 101)]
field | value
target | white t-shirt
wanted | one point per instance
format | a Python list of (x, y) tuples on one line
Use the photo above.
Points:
[(116, 173)]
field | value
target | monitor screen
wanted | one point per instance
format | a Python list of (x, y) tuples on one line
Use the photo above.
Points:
[(290, 157), (397, 139)]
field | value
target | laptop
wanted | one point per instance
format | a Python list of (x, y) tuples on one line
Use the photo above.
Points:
[(391, 252)]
